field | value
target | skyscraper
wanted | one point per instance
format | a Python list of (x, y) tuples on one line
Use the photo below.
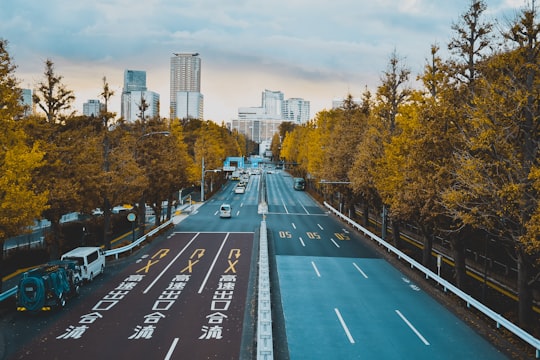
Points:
[(134, 80), (93, 107), (186, 78)]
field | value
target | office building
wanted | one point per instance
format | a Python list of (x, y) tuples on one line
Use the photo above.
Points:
[(296, 110), (134, 80), (186, 79), (261, 123), (137, 100), (93, 107), (140, 105)]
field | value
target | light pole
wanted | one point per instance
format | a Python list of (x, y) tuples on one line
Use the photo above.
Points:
[(202, 178), (142, 202)]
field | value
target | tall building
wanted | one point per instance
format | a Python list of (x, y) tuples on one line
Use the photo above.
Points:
[(133, 102), (261, 123), (186, 78), (134, 80), (93, 107), (296, 110), (272, 102)]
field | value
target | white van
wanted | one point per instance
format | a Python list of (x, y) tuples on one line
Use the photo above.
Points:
[(225, 211), (90, 259)]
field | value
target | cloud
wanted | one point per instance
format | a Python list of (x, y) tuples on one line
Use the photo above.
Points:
[(323, 47)]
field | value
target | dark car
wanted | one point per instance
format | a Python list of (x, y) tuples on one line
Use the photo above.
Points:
[(48, 286)]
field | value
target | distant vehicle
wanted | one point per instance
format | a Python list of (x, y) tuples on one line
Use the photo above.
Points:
[(299, 184), (239, 189), (225, 211), (235, 175), (48, 286), (90, 259)]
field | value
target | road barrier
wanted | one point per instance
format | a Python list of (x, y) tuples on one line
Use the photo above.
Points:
[(136, 243), (469, 300), (265, 349)]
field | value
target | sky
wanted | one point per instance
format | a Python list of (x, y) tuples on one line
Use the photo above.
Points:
[(317, 50)]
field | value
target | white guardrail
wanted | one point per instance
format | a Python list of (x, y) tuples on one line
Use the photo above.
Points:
[(499, 319), (265, 347), (11, 292), (129, 247)]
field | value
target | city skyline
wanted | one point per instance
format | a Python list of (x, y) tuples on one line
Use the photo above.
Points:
[(312, 50)]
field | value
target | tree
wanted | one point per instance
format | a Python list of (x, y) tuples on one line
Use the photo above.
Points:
[(496, 177), (51, 95), (21, 203), (472, 37), (391, 94)]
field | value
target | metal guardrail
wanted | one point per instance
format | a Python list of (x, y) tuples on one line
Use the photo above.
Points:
[(7, 294), (470, 301), (129, 247), (265, 349)]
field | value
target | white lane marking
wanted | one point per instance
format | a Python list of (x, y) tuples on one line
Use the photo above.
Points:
[(412, 328), (169, 265), (238, 213), (294, 226), (171, 349), (302, 241), (345, 328), (315, 268), (285, 206), (335, 243), (241, 204), (213, 264), (320, 227), (217, 211), (361, 272), (307, 212)]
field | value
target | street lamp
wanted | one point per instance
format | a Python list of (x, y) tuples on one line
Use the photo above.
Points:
[(142, 202), (202, 178)]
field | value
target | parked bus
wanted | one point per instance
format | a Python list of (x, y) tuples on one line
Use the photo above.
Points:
[(299, 184)]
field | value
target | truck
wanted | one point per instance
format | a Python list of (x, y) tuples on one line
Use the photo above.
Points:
[(48, 286)]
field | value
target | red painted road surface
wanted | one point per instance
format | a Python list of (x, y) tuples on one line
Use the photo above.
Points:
[(186, 300)]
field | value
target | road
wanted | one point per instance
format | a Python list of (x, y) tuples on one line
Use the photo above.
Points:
[(341, 300), (190, 295)]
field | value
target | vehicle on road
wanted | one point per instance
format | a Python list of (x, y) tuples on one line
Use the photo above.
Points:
[(299, 184), (48, 286), (91, 260), (225, 211), (239, 189)]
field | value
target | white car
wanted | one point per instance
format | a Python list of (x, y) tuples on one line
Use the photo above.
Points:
[(225, 211), (239, 189)]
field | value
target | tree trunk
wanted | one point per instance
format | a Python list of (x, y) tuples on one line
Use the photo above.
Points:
[(55, 248), (366, 215), (524, 291), (396, 234), (458, 252), (426, 250), (106, 224)]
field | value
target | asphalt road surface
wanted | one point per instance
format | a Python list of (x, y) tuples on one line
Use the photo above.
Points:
[(185, 300), (189, 296), (340, 300)]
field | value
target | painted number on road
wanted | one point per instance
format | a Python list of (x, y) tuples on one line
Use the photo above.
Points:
[(313, 235), (285, 234), (342, 236)]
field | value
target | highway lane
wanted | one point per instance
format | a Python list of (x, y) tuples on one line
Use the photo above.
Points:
[(187, 298), (177, 298), (341, 300)]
